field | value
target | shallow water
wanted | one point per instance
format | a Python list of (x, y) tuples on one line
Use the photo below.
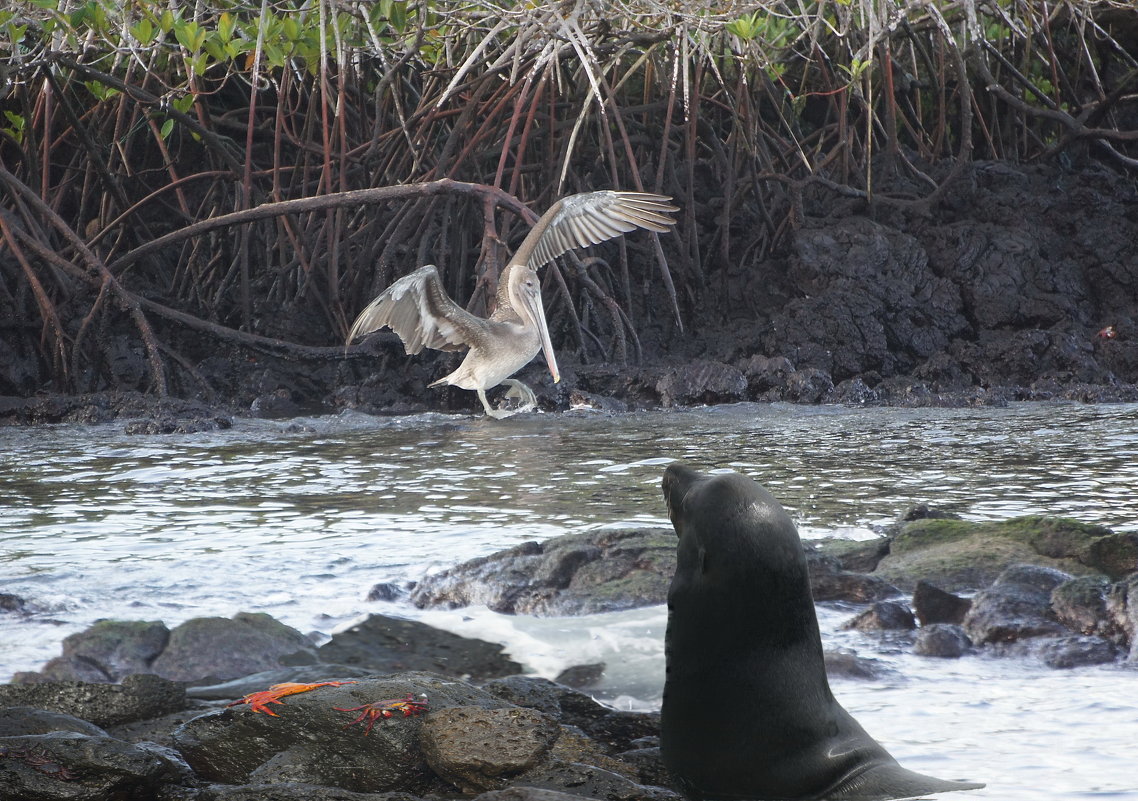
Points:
[(299, 519)]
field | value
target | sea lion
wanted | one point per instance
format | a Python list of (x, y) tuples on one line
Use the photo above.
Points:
[(747, 711)]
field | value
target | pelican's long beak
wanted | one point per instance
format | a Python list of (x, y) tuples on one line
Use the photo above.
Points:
[(531, 299)]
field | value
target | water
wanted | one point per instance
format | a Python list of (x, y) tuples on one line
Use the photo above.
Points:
[(299, 519)]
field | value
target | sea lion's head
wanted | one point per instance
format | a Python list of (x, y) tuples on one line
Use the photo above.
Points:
[(735, 539)]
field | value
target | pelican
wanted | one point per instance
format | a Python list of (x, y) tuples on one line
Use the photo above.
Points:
[(418, 309)]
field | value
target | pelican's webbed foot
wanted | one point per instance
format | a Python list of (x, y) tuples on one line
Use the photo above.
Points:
[(520, 392), (517, 391)]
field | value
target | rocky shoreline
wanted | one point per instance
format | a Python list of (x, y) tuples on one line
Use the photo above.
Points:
[(132, 709)]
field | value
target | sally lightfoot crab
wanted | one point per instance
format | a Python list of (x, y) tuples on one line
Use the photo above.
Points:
[(373, 712), (257, 701)]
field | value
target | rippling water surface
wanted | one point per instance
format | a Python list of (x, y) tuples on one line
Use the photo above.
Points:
[(300, 518)]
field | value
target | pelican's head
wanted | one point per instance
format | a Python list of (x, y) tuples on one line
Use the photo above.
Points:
[(525, 296)]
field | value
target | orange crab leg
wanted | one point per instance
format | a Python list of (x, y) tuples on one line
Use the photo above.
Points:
[(257, 701)]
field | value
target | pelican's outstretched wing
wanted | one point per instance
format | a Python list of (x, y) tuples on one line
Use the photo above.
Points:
[(590, 218), (418, 309)]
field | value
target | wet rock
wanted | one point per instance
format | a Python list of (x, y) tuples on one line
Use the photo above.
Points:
[(931, 604), (883, 616), (1080, 605), (856, 556), (649, 766), (12, 603), (386, 591), (766, 376), (945, 640), (581, 676), (575, 574), (581, 400), (108, 651), (292, 791), (20, 720), (1076, 651), (77, 767), (849, 665), (1115, 554), (138, 697), (311, 742), (1017, 606), (702, 382), (959, 555), (853, 392), (224, 648), (275, 404), (593, 782), (532, 692), (384, 644), (1122, 607), (829, 582), (616, 730), (477, 749), (808, 385)]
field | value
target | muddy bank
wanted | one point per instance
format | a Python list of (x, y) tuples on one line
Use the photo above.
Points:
[(1019, 285)]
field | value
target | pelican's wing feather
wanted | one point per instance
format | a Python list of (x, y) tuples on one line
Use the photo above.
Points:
[(593, 217), (418, 309)]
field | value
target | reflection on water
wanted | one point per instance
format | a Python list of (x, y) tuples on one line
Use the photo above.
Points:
[(299, 520)]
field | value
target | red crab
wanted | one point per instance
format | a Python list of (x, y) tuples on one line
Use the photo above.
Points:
[(258, 701), (409, 706)]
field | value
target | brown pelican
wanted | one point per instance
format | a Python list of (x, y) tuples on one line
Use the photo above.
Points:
[(417, 308)]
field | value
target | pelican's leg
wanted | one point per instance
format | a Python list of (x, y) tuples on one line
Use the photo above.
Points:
[(497, 414), (519, 391)]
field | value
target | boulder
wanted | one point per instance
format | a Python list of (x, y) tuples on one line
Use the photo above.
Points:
[(382, 644), (72, 766), (575, 574), (946, 640), (108, 651), (1017, 606), (225, 648), (1076, 651), (311, 737), (829, 582), (958, 555), (883, 616), (1080, 605), (137, 697), (702, 382), (1122, 607), (931, 604), (478, 749)]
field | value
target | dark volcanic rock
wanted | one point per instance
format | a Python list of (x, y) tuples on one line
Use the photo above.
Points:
[(108, 651), (310, 741), (865, 301), (946, 640), (595, 571), (138, 697), (71, 766), (883, 616), (384, 644), (223, 648), (829, 582), (702, 382), (1076, 651), (581, 676), (19, 720), (1017, 606), (933, 605), (1122, 606), (479, 749), (1080, 605)]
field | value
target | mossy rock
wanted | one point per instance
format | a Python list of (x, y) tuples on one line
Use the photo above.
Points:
[(958, 555), (1055, 537)]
